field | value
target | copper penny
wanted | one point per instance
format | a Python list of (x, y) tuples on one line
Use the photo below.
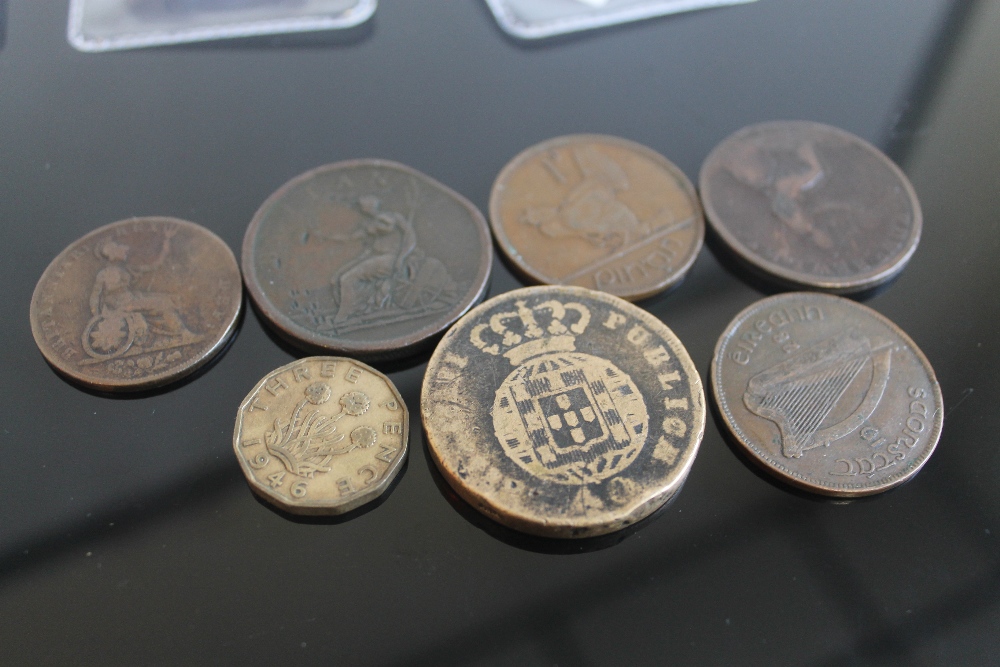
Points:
[(562, 411), (367, 258), (597, 212), (137, 303), (827, 394), (811, 205), (321, 435)]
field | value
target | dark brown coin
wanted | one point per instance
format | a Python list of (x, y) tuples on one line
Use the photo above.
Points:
[(137, 303), (322, 435), (562, 411), (597, 212), (811, 205), (367, 258), (827, 394)]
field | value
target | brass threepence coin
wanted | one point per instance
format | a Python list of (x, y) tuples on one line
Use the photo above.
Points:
[(367, 258), (137, 303), (811, 205), (322, 435), (827, 394), (562, 412), (598, 212)]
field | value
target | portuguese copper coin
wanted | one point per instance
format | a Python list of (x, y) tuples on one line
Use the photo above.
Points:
[(597, 212), (827, 394), (321, 435), (562, 411), (367, 258), (137, 303), (811, 205)]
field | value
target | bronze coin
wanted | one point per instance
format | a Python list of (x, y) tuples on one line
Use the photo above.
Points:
[(562, 411), (137, 303), (811, 205), (367, 258), (827, 394), (321, 435), (597, 212)]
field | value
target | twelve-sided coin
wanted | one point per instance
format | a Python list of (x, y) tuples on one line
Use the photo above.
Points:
[(811, 205), (367, 258), (598, 212), (562, 411), (321, 435), (827, 394), (137, 303)]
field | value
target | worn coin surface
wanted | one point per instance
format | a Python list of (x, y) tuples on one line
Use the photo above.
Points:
[(811, 205), (562, 411), (597, 212), (137, 303), (827, 394), (321, 435), (367, 258)]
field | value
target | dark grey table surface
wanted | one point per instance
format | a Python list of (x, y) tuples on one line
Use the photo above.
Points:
[(127, 532)]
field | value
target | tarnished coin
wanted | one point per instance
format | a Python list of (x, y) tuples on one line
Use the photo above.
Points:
[(561, 411), (811, 205), (367, 258), (321, 435), (137, 303), (597, 212), (827, 394)]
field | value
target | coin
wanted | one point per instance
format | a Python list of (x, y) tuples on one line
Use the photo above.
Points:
[(562, 411), (367, 258), (811, 205), (597, 212), (827, 394), (137, 303), (321, 435)]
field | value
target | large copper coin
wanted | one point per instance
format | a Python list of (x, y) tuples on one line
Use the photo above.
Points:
[(367, 258), (322, 435), (827, 394), (137, 303), (597, 212), (811, 205), (561, 411)]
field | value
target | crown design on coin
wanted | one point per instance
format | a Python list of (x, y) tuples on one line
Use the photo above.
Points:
[(518, 335)]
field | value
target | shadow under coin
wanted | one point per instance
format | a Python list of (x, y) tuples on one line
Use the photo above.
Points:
[(334, 519), (534, 543), (170, 385), (760, 469)]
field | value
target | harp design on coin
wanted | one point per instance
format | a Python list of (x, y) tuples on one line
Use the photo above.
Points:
[(561, 415), (802, 395)]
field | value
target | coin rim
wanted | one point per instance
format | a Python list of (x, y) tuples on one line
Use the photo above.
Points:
[(780, 471), (628, 513), (672, 280), (158, 379), (394, 348), (331, 507), (884, 272)]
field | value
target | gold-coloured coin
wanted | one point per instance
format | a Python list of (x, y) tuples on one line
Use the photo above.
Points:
[(562, 411), (321, 435)]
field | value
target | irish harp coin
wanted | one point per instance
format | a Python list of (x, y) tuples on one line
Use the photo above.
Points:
[(321, 435), (597, 212), (827, 394), (367, 258), (562, 411), (137, 303), (811, 205)]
